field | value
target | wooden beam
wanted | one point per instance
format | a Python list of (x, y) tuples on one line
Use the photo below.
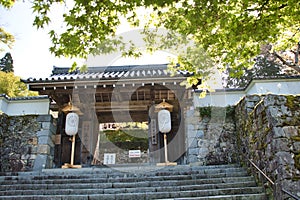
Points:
[(106, 117), (122, 106)]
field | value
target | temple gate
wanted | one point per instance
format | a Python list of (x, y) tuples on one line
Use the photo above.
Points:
[(116, 94)]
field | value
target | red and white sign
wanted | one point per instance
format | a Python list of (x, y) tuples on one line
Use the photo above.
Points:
[(134, 153)]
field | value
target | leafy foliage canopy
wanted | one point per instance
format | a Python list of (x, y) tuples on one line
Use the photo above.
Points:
[(231, 33)]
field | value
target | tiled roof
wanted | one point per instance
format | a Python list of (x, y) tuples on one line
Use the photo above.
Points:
[(24, 98), (111, 73)]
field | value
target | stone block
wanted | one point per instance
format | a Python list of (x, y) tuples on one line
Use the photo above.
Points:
[(192, 133), (250, 104), (43, 140), (192, 143), (43, 133), (190, 127), (40, 162), (44, 118), (269, 101), (278, 132), (192, 158), (46, 140), (202, 126), (290, 131), (200, 134), (286, 111), (46, 125), (203, 151), (274, 111), (193, 151), (190, 113), (43, 149), (296, 146), (253, 98), (280, 100), (201, 142), (280, 144), (223, 144), (284, 158), (34, 150)]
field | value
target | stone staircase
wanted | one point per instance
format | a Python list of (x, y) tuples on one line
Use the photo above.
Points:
[(133, 182)]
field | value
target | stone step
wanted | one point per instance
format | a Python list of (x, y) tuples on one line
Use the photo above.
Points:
[(112, 190), (111, 178), (121, 177), (86, 184), (116, 174), (107, 173), (128, 169), (260, 196), (147, 195), (132, 182)]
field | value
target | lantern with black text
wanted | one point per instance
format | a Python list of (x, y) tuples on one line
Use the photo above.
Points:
[(71, 129), (164, 126), (71, 124), (164, 121)]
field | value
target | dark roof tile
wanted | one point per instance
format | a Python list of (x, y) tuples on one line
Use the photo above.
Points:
[(111, 72)]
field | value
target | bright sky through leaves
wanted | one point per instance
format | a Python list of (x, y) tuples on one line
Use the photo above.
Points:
[(31, 50)]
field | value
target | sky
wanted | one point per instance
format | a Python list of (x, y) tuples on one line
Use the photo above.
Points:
[(30, 52)]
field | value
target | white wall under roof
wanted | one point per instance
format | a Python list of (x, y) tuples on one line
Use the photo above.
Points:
[(223, 98), (280, 86), (24, 106)]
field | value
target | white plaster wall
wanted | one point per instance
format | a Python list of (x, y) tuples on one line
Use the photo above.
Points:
[(222, 98), (219, 99), (3, 104), (25, 107), (275, 87)]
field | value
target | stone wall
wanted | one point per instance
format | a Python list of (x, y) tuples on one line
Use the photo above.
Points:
[(26, 142), (46, 140), (210, 135), (268, 129)]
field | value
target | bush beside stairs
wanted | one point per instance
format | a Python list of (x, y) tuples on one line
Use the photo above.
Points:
[(133, 182)]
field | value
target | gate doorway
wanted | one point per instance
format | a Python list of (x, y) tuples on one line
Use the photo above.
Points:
[(126, 142), (116, 95)]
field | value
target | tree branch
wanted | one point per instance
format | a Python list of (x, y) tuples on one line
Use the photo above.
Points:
[(289, 64), (297, 53)]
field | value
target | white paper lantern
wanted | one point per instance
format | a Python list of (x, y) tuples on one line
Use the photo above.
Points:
[(164, 121), (71, 124)]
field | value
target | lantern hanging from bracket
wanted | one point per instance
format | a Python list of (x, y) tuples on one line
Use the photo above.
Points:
[(164, 126), (163, 105), (164, 121), (71, 129), (71, 124)]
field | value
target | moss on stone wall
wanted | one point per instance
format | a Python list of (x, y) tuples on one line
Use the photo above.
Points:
[(297, 161), (268, 134), (205, 111), (291, 102), (211, 137), (18, 142)]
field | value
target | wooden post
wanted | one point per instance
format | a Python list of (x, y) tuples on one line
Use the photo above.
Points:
[(71, 165), (166, 148), (167, 162), (73, 150)]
